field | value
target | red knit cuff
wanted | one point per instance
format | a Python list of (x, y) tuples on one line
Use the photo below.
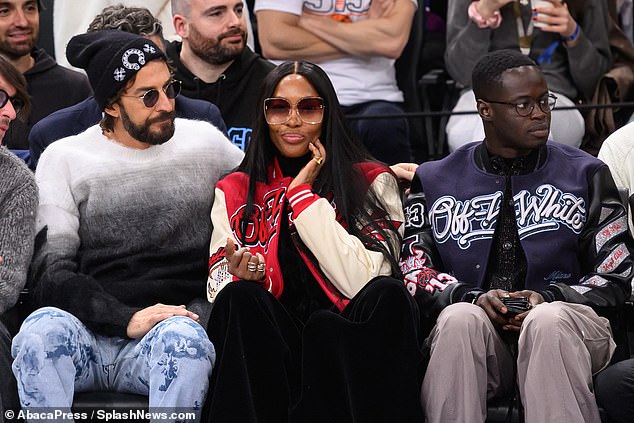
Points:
[(301, 197)]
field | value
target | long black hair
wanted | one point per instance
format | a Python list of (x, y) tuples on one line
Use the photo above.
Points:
[(363, 212)]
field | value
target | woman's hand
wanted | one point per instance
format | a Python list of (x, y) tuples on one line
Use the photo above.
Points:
[(309, 172), (244, 265), (487, 8), (556, 19)]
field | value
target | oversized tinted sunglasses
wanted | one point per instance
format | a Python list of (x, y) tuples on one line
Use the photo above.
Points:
[(151, 97), (16, 102), (277, 110)]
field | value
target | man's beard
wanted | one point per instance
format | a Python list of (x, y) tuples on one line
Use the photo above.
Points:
[(142, 132), (15, 51), (211, 51)]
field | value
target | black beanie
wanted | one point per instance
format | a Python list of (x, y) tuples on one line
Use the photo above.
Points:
[(110, 58)]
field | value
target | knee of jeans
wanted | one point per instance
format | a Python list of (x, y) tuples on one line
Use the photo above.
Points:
[(460, 318), (182, 336), (46, 333), (52, 325)]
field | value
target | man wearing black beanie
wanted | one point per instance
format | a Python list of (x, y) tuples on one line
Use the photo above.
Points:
[(127, 206), (79, 117)]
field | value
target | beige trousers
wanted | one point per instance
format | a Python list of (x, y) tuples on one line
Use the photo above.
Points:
[(561, 345)]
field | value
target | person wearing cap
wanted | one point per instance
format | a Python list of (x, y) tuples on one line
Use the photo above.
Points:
[(18, 205), (123, 270), (51, 86), (79, 117)]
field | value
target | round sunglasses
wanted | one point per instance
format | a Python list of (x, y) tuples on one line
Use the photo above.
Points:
[(277, 110), (151, 97), (15, 101)]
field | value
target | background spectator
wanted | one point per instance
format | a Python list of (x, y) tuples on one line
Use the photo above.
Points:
[(50, 86), (70, 20), (215, 64), (571, 48)]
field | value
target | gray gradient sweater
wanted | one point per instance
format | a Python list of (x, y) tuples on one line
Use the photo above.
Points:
[(18, 205), (127, 228)]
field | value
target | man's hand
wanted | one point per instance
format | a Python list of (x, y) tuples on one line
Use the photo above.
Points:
[(144, 320), (494, 307), (534, 298), (404, 172)]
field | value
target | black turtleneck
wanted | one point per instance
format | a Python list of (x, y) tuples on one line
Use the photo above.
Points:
[(290, 166), (302, 294)]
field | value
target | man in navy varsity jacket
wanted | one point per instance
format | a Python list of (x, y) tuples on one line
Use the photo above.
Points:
[(515, 216)]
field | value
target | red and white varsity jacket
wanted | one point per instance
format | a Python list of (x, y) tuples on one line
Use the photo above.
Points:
[(342, 265)]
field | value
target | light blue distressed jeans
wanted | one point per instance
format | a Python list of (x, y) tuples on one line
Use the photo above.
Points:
[(55, 355)]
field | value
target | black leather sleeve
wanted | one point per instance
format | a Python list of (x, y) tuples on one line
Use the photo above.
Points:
[(420, 262), (604, 251)]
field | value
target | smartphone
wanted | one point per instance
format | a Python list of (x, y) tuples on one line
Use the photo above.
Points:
[(515, 305)]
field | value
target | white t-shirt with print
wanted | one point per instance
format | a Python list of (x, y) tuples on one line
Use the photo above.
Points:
[(356, 79)]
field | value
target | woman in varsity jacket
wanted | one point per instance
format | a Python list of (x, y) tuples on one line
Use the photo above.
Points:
[(307, 321)]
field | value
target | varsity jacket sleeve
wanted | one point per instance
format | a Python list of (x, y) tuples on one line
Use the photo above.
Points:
[(342, 257), (219, 275), (59, 280), (605, 250), (421, 264)]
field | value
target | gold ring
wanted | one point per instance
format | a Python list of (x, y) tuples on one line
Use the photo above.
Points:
[(318, 159)]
